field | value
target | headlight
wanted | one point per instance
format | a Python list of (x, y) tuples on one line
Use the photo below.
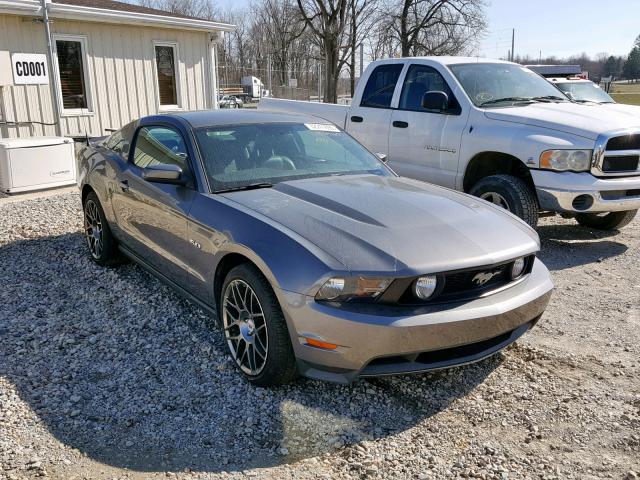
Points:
[(517, 269), (425, 287), (350, 288), (564, 160)]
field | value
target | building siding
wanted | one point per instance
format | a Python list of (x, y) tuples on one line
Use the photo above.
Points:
[(121, 71)]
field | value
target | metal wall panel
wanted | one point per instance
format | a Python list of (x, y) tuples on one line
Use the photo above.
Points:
[(121, 72)]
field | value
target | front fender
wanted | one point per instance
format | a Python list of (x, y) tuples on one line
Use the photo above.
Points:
[(524, 142)]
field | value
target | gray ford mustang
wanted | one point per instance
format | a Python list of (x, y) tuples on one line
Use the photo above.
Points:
[(313, 255)]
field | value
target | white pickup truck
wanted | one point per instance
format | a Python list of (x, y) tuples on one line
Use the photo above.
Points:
[(496, 130)]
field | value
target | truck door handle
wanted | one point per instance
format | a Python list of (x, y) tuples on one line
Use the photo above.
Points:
[(357, 119), (124, 185), (400, 124)]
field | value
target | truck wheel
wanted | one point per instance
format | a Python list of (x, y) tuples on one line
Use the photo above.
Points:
[(510, 193), (606, 221)]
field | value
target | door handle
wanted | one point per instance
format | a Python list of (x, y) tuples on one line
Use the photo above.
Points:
[(124, 185), (357, 119), (400, 124)]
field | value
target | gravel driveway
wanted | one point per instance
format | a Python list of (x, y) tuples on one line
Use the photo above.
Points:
[(106, 373)]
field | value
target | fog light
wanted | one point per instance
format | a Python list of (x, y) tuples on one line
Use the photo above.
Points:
[(425, 287), (517, 269)]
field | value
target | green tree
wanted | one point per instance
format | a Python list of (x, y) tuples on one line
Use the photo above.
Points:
[(631, 69)]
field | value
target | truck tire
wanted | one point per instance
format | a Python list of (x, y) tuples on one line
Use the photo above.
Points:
[(606, 221), (510, 193)]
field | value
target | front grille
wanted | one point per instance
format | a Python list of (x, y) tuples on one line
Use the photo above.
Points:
[(625, 142), (624, 163), (467, 284)]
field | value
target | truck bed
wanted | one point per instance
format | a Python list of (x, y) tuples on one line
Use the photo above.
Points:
[(336, 114)]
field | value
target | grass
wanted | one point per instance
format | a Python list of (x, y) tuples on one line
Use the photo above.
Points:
[(628, 93)]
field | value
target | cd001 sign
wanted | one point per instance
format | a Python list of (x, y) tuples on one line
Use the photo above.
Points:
[(29, 68)]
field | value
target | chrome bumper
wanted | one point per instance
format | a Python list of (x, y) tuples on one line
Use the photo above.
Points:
[(569, 192), (391, 341)]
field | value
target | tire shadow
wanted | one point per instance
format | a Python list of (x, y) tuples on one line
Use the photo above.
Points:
[(570, 245), (118, 366)]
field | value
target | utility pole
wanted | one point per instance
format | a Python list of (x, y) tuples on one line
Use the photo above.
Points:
[(53, 72), (513, 40)]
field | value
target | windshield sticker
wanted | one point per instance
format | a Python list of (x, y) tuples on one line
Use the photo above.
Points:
[(321, 127)]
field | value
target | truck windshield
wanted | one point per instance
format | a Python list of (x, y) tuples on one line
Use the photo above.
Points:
[(503, 84), (247, 156), (584, 92)]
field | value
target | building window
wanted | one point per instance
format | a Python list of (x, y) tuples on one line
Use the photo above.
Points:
[(167, 75), (72, 71)]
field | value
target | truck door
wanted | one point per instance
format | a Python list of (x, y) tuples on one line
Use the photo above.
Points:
[(425, 144), (369, 121)]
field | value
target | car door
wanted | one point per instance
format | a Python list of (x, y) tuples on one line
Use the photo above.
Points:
[(153, 216), (425, 144), (369, 121)]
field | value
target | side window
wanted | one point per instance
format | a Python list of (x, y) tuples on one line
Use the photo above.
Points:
[(119, 141), (421, 79), (158, 146), (380, 86)]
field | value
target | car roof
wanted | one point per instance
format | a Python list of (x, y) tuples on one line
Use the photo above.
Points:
[(214, 118), (568, 80)]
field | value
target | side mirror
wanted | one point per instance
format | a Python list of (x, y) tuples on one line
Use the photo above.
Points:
[(382, 157), (164, 173), (436, 101)]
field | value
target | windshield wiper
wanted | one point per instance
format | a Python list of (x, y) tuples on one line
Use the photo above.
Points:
[(506, 99), (549, 98), (251, 186)]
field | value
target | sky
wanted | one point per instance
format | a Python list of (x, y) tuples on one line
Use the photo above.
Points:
[(557, 27), (561, 27)]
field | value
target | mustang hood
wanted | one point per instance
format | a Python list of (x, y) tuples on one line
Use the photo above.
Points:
[(388, 224), (585, 120)]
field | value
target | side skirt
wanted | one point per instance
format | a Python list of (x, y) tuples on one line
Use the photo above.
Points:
[(167, 281)]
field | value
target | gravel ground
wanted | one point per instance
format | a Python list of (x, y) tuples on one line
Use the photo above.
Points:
[(106, 373)]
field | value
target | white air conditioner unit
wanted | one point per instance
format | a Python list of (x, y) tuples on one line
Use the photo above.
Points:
[(35, 163)]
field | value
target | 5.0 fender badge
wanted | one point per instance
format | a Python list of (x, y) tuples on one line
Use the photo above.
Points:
[(194, 243)]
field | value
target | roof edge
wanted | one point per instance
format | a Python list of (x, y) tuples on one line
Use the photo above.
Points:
[(92, 14)]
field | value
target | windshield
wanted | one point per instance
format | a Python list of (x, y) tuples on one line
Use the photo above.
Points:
[(243, 156), (584, 92), (504, 84)]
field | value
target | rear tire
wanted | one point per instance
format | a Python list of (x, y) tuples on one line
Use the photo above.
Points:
[(247, 308), (606, 221), (103, 247), (511, 193)]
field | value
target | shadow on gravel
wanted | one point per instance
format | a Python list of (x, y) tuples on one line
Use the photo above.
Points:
[(566, 246), (119, 367)]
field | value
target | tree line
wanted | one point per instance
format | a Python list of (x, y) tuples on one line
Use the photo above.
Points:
[(293, 37)]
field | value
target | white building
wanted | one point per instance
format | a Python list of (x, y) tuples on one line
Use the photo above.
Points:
[(110, 63)]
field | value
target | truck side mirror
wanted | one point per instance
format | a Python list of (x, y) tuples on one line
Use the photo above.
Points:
[(435, 101)]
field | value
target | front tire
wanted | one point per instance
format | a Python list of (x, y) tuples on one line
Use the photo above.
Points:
[(606, 221), (102, 245), (255, 329), (511, 193)]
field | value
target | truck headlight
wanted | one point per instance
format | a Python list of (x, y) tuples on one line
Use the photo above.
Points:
[(566, 160), (341, 289)]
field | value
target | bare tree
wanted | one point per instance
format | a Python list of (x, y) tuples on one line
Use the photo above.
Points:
[(431, 27), (328, 21), (361, 14)]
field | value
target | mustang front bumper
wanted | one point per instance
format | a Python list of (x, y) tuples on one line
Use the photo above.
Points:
[(381, 340), (569, 192)]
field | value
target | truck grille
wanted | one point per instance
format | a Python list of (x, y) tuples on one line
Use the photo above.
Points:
[(624, 163), (624, 142), (617, 154)]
